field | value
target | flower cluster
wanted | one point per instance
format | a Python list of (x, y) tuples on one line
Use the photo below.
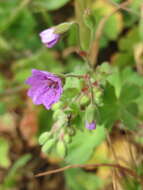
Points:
[(46, 88)]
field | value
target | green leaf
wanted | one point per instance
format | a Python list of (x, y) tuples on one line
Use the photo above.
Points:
[(2, 83), (85, 39), (112, 27), (4, 45), (109, 96), (73, 83), (115, 80), (22, 67), (83, 144), (128, 107), (126, 44), (68, 94), (109, 110), (123, 59), (132, 77), (75, 107), (82, 180), (21, 76), (135, 5), (72, 38), (105, 68), (25, 25), (129, 93), (128, 119), (108, 115), (141, 27), (50, 4), (6, 10), (15, 171), (45, 120), (4, 150), (2, 108)]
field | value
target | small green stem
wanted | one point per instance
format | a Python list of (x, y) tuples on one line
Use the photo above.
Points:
[(84, 31), (69, 75), (91, 90)]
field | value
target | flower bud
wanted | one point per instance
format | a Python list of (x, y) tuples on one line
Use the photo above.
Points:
[(66, 138), (71, 131), (57, 106), (49, 37), (61, 149), (44, 137), (84, 100), (48, 145), (90, 113), (59, 114)]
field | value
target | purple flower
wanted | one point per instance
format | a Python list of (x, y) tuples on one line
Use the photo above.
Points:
[(46, 88), (49, 38), (91, 126)]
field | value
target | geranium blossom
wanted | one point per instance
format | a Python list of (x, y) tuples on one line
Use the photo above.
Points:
[(46, 88)]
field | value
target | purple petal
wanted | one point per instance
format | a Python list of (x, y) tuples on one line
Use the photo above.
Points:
[(46, 88), (51, 43), (49, 38), (36, 93), (91, 126)]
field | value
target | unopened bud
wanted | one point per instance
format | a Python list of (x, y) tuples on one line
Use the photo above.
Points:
[(61, 149), (66, 138), (59, 115), (70, 130), (84, 100), (57, 106), (90, 113), (44, 137), (48, 145)]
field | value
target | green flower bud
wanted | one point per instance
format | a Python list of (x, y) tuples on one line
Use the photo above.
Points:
[(44, 137), (61, 28), (97, 94), (71, 131), (61, 149), (48, 145), (84, 100), (90, 113), (59, 114), (57, 106), (67, 138), (98, 97)]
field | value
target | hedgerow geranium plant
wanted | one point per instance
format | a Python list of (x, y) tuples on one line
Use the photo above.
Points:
[(88, 102), (71, 96)]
